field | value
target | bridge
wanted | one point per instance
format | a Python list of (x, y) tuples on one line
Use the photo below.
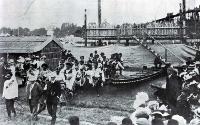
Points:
[(123, 33), (172, 27)]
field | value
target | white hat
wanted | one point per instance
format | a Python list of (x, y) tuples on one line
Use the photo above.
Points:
[(117, 119), (43, 57), (21, 59), (157, 112), (197, 112), (163, 108), (187, 77), (27, 59), (11, 61), (53, 74), (183, 73), (193, 82), (153, 105), (180, 119), (197, 63)]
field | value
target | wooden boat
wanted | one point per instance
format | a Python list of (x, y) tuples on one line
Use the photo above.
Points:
[(137, 78)]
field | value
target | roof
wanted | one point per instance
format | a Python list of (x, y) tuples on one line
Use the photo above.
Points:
[(29, 44)]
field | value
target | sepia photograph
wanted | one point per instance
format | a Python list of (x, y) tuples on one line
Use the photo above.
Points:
[(99, 62)]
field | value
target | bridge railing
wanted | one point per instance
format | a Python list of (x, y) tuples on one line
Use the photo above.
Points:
[(168, 32), (167, 54)]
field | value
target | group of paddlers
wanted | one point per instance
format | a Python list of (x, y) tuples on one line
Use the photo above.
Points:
[(44, 87)]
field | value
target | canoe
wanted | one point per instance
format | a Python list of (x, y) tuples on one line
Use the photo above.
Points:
[(137, 79)]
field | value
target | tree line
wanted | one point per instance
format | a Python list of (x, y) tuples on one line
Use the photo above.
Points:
[(64, 30)]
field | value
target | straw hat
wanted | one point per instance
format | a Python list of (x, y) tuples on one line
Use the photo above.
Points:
[(21, 59), (180, 119), (28, 59), (11, 61), (197, 112), (43, 57)]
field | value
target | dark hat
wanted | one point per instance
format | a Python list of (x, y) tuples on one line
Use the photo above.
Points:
[(73, 120), (111, 123), (44, 65), (127, 121)]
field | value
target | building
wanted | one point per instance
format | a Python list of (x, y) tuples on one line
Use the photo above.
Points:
[(13, 47)]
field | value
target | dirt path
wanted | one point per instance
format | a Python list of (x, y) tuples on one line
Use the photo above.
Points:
[(91, 109)]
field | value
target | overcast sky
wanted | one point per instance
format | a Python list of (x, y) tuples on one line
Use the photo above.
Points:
[(43, 13)]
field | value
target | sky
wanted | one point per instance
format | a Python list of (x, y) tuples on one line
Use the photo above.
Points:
[(46, 13)]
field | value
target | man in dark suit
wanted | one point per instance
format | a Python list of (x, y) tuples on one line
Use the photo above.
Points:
[(34, 91), (53, 95)]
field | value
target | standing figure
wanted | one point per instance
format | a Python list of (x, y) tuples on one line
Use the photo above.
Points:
[(10, 92), (53, 95), (34, 91), (157, 62), (98, 78)]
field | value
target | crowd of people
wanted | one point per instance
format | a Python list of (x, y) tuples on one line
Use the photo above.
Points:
[(44, 86), (181, 105)]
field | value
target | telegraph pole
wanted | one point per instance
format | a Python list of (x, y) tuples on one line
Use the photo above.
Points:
[(182, 23), (99, 13), (85, 27), (99, 20), (184, 10)]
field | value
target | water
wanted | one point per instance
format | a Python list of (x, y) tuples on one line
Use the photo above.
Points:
[(134, 56)]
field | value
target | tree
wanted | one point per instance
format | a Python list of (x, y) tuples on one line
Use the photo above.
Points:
[(57, 32), (39, 32)]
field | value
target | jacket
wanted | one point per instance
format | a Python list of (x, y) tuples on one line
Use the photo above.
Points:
[(53, 91), (34, 92), (10, 89)]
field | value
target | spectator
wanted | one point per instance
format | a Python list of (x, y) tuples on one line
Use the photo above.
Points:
[(73, 120), (180, 119), (172, 122), (157, 122), (34, 91), (127, 121), (142, 121), (53, 95), (111, 123), (157, 62), (10, 92), (196, 120)]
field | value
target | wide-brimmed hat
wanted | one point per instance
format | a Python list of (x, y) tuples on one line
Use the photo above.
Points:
[(28, 59), (162, 110), (157, 112), (142, 113), (180, 119), (153, 105), (11, 61), (197, 112), (21, 59), (142, 121), (43, 57)]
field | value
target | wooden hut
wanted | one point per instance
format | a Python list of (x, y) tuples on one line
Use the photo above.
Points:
[(51, 47)]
